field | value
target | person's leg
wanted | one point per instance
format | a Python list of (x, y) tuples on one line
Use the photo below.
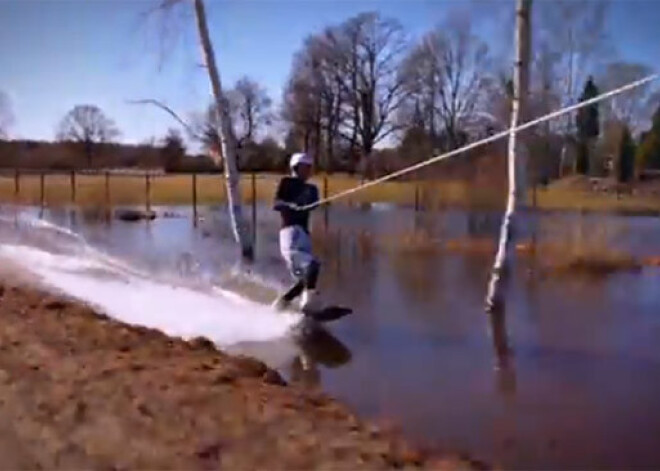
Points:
[(294, 291), (295, 247), (310, 301), (287, 250), (305, 270), (285, 299), (312, 274)]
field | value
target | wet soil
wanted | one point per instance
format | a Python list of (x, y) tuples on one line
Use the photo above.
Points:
[(79, 390)]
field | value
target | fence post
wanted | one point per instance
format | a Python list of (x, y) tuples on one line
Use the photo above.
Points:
[(194, 197), (338, 253), (147, 190), (107, 195), (254, 209), (17, 183), (325, 206), (73, 186), (42, 189)]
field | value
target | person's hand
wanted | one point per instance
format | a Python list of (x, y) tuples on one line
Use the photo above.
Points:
[(287, 204), (294, 206)]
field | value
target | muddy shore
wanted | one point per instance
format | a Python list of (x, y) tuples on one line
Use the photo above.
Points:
[(79, 390)]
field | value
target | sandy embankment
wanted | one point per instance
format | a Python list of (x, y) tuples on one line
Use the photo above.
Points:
[(79, 390)]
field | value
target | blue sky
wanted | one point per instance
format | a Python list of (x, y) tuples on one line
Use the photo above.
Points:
[(55, 54)]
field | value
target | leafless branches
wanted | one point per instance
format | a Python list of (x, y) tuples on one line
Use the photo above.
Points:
[(249, 105), (149, 101), (573, 39), (634, 108), (448, 77), (6, 115), (88, 125), (345, 85)]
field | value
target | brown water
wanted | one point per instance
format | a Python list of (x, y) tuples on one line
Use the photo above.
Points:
[(569, 378)]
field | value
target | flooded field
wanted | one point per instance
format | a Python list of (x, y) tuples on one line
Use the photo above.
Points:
[(569, 377)]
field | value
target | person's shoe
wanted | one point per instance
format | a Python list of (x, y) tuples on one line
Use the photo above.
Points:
[(310, 301)]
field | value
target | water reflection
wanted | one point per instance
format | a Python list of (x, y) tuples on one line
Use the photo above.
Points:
[(414, 273), (322, 347), (318, 347), (504, 367), (301, 356), (483, 224)]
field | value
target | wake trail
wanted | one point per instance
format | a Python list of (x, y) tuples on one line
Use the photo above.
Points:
[(134, 296)]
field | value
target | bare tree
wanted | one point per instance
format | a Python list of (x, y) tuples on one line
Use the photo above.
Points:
[(544, 97), (349, 74), (227, 138), (250, 107), (326, 66), (375, 88), (88, 125), (575, 32), (6, 115), (422, 76), (516, 159), (345, 86), (574, 35), (448, 73), (226, 151), (173, 150), (302, 110), (544, 93), (631, 108), (315, 95), (204, 129)]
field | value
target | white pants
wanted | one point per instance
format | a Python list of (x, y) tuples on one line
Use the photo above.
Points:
[(296, 249)]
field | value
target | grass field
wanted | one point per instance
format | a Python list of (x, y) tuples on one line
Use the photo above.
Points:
[(90, 190)]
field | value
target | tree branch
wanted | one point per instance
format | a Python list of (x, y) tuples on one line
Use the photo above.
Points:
[(168, 110)]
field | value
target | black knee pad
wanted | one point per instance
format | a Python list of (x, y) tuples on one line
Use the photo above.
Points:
[(312, 274)]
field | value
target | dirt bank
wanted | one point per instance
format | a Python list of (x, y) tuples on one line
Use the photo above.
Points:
[(78, 390)]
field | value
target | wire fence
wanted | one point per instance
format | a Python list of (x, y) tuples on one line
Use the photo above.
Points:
[(112, 188)]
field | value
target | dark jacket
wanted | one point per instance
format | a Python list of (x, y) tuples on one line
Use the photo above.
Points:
[(293, 190)]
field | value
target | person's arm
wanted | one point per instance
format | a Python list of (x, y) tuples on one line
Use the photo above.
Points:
[(280, 196), (314, 198), (283, 197)]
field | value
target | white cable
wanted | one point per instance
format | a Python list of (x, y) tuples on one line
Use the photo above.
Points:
[(487, 140)]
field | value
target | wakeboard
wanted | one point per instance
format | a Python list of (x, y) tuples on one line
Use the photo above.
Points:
[(327, 313)]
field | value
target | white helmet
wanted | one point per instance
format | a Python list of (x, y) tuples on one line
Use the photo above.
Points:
[(300, 158)]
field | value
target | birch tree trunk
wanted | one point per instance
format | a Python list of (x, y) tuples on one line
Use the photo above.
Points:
[(516, 161), (242, 234)]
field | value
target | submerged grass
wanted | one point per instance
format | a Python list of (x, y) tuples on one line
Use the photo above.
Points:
[(414, 242), (586, 248), (575, 252), (560, 198), (599, 264)]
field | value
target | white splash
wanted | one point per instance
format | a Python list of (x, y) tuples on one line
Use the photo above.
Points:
[(128, 296)]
